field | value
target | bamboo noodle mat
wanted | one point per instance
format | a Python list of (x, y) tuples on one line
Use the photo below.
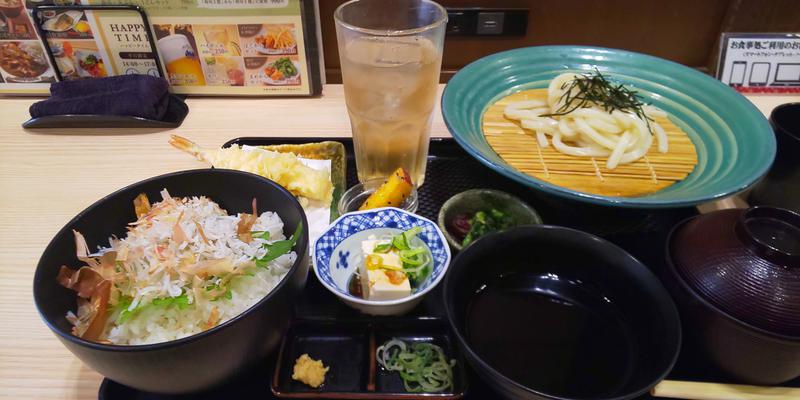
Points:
[(519, 148)]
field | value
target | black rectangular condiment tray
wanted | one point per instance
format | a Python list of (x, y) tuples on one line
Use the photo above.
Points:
[(450, 170), (349, 346)]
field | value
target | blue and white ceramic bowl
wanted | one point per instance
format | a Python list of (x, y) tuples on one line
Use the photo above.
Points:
[(337, 255)]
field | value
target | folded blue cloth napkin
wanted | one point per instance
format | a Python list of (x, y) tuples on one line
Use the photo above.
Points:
[(135, 95)]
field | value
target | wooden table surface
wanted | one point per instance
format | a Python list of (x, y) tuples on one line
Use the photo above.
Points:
[(47, 177)]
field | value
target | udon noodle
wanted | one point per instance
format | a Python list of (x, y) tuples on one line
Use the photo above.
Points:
[(590, 129)]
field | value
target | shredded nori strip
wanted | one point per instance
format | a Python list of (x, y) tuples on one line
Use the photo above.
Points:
[(594, 89)]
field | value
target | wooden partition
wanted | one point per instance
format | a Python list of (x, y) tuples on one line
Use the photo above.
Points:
[(685, 31)]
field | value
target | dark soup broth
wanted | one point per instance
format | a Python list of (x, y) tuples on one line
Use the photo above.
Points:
[(554, 335)]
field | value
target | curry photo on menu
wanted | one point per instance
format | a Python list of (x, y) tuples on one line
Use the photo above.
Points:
[(24, 62)]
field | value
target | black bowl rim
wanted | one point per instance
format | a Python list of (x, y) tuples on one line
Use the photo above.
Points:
[(672, 311), (191, 338), (673, 270), (776, 125)]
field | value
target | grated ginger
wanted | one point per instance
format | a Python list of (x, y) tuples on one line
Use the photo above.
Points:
[(309, 371)]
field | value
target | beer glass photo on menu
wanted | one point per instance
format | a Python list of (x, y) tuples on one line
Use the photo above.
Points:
[(183, 65), (391, 55)]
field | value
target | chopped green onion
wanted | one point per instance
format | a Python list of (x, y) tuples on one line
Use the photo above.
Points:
[(409, 234), (403, 240), (413, 257), (412, 252), (382, 248), (399, 242), (260, 234), (422, 366), (181, 301), (122, 304)]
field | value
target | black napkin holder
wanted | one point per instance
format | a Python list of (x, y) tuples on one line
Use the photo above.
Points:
[(174, 117)]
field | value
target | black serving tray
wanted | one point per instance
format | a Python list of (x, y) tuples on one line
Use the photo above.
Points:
[(451, 170)]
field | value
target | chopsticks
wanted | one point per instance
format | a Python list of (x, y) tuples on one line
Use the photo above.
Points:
[(722, 391)]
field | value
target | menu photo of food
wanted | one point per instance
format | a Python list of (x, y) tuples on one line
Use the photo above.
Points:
[(34, 3), (179, 52), (164, 30), (281, 71), (15, 24), (224, 71), (268, 39), (71, 24), (24, 61), (272, 71), (217, 40), (78, 59)]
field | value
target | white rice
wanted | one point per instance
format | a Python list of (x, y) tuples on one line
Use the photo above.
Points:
[(154, 325), (160, 324)]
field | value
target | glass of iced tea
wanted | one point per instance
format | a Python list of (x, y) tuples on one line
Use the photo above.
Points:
[(390, 54)]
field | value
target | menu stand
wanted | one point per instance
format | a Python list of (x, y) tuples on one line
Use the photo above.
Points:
[(175, 114)]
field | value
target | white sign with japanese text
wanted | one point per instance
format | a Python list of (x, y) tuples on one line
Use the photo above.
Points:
[(760, 62)]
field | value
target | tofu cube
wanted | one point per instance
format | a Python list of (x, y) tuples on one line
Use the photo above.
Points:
[(381, 288)]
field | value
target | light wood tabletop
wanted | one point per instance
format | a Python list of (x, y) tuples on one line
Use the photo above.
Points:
[(48, 176)]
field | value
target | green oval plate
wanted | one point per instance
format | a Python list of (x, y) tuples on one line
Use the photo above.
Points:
[(735, 144)]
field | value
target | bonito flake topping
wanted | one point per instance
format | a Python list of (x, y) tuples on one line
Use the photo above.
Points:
[(184, 266)]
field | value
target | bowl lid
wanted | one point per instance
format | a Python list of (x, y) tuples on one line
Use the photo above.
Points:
[(746, 263)]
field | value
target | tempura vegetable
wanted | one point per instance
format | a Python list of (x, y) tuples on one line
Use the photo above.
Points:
[(392, 193), (283, 168)]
